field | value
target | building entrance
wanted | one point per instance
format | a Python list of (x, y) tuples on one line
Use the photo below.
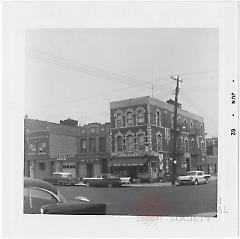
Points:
[(89, 170)]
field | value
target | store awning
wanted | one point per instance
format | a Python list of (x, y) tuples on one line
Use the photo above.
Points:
[(118, 162)]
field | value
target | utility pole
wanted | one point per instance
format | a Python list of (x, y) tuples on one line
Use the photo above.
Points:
[(174, 160)]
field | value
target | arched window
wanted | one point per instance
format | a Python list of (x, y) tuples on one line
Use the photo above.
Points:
[(158, 118), (118, 119), (140, 142), (129, 143), (159, 142), (129, 119), (119, 143), (202, 147), (192, 145), (180, 142), (140, 115), (186, 146)]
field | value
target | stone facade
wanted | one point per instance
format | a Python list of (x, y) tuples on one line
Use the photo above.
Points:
[(142, 131)]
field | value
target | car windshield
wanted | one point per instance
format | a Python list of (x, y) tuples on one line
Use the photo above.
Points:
[(191, 173)]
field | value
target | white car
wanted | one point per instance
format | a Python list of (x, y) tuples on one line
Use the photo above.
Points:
[(193, 177), (125, 180)]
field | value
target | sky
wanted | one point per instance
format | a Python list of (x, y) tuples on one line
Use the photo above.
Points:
[(76, 73)]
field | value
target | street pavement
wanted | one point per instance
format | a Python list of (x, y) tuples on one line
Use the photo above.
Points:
[(159, 184), (159, 199)]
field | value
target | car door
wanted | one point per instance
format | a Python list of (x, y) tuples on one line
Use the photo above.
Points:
[(201, 177), (36, 198)]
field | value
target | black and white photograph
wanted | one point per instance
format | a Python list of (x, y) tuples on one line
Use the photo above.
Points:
[(123, 123), (103, 110)]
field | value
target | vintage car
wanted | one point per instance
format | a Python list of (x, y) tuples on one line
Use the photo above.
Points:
[(105, 180), (41, 197), (62, 179), (193, 177), (125, 180)]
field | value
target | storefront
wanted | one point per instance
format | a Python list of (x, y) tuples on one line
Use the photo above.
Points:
[(64, 163), (129, 167), (88, 168)]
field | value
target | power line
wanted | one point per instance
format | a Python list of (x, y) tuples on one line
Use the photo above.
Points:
[(79, 66)]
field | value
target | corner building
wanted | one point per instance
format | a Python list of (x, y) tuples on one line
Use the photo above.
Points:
[(141, 138)]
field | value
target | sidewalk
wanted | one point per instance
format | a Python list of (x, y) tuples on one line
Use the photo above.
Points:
[(158, 184)]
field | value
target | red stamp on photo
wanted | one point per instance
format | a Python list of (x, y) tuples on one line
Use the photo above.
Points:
[(149, 210)]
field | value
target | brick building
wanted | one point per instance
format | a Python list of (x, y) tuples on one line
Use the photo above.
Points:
[(82, 151), (93, 149), (50, 147), (141, 139), (211, 164)]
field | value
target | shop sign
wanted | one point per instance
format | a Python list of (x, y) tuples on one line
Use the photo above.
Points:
[(160, 161), (65, 157), (121, 154)]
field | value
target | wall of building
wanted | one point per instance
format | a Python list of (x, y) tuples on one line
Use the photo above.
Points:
[(62, 145)]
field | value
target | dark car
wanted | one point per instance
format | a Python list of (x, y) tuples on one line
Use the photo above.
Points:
[(106, 180), (62, 179), (41, 197)]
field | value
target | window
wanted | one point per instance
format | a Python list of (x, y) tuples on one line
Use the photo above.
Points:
[(92, 130), (42, 147), (159, 142), (119, 120), (186, 146), (102, 144), (140, 142), (129, 143), (202, 147), (158, 118), (92, 142), (32, 148), (140, 117), (83, 145), (119, 143), (42, 166), (129, 119)]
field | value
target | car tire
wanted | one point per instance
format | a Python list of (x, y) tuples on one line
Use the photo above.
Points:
[(195, 182)]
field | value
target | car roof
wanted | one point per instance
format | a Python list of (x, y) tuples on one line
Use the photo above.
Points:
[(32, 182)]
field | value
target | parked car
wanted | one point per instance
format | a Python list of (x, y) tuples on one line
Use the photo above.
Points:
[(193, 177), (62, 179), (105, 180), (125, 180), (41, 197)]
